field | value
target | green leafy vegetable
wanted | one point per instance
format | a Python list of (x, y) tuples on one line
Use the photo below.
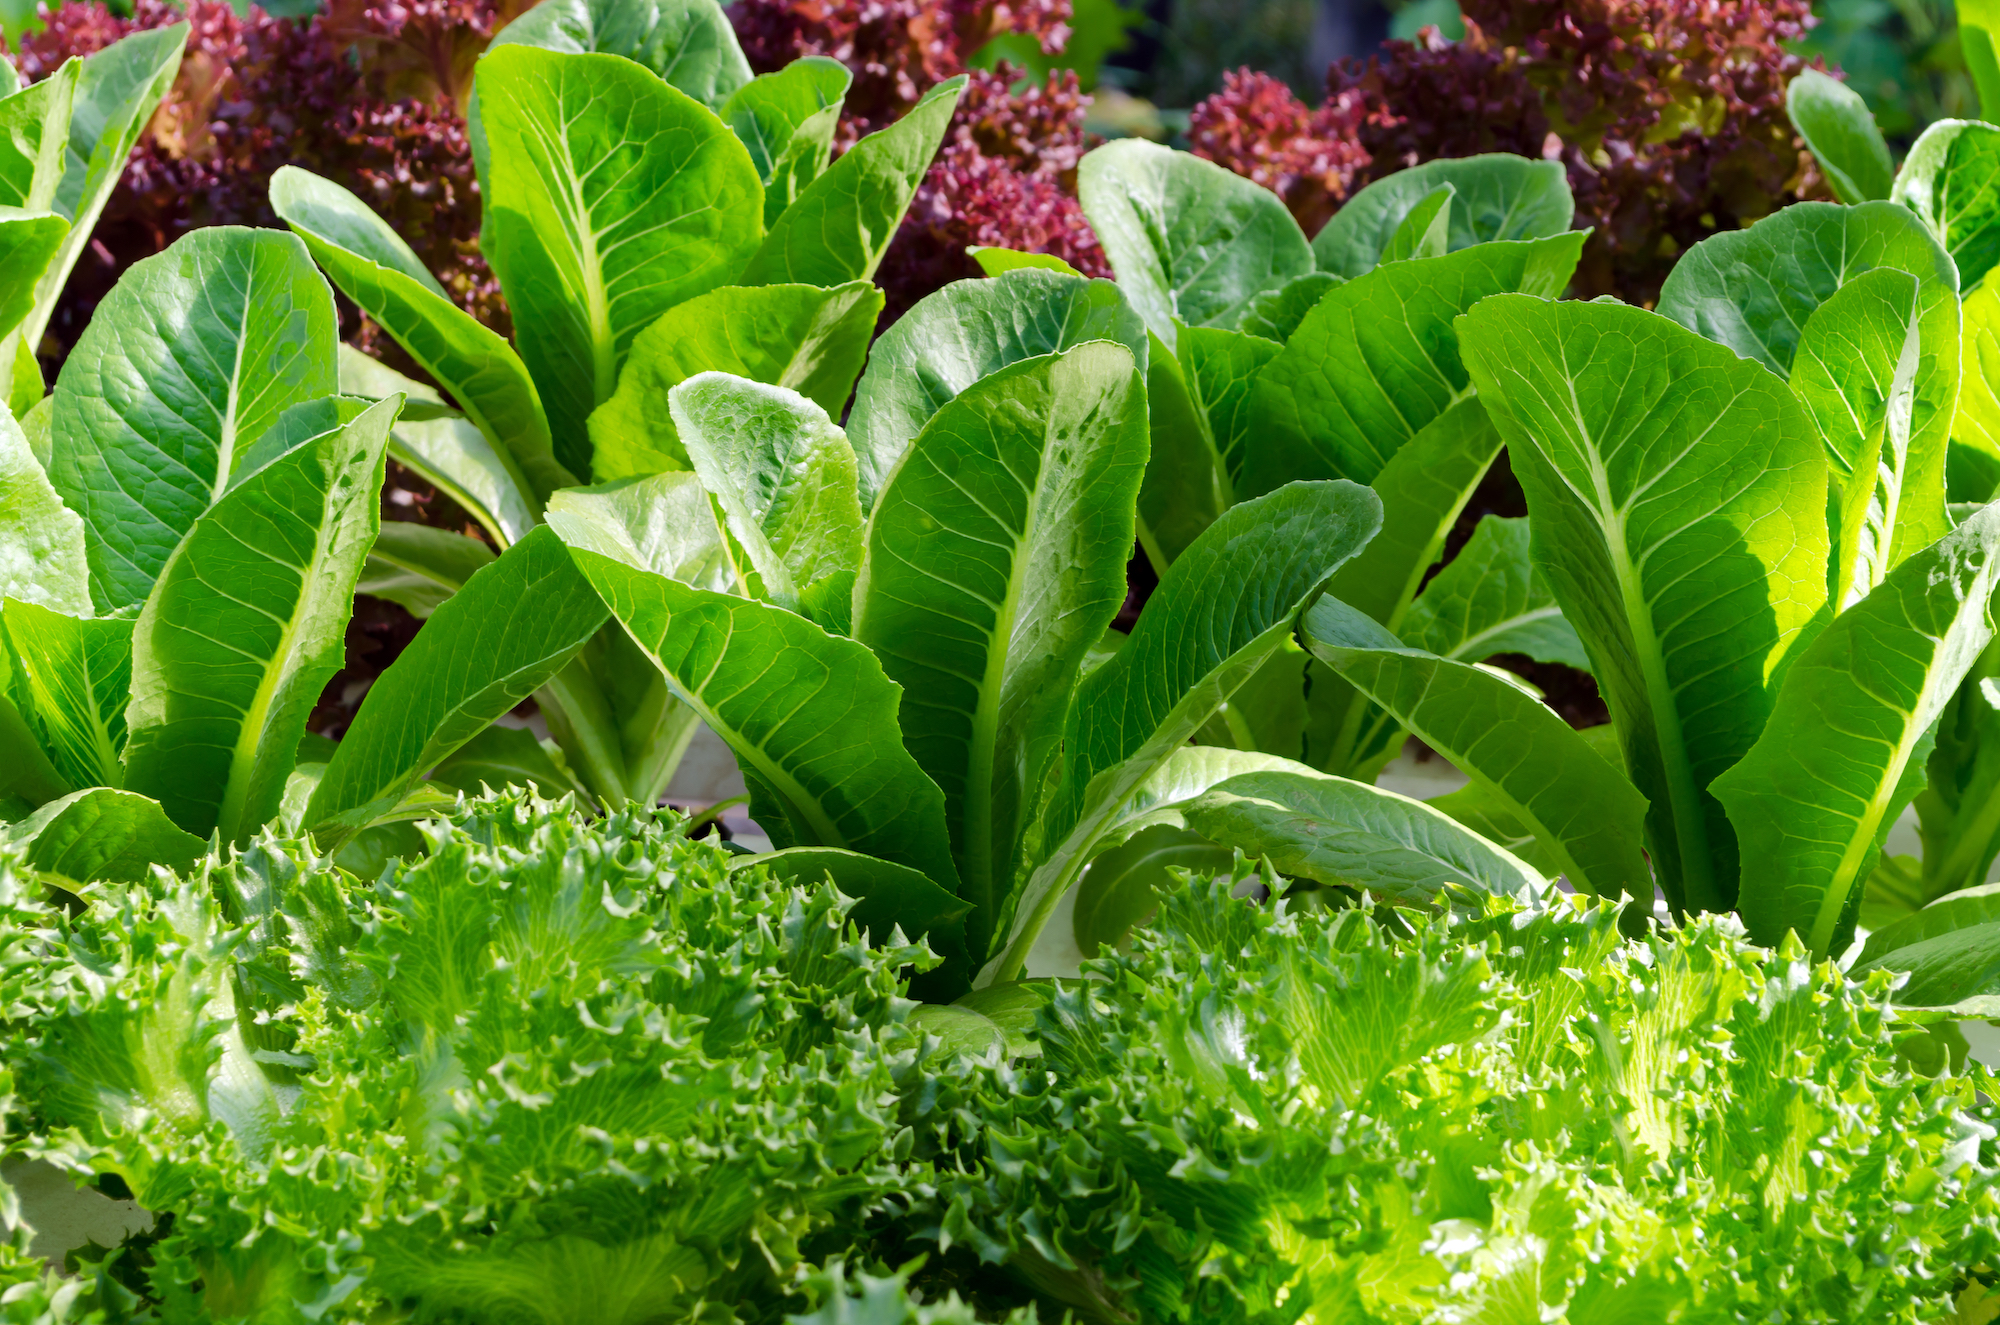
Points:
[(1190, 241), (688, 43), (1675, 494), (787, 119), (71, 680), (1948, 180), (1496, 196), (1840, 130)]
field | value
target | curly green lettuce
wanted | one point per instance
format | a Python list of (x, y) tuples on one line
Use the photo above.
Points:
[(1268, 1114)]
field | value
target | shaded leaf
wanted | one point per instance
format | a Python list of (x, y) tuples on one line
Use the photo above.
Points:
[(1276, 314), (1424, 232), (1488, 600), (418, 567), (483, 651), (887, 897), (1122, 885), (102, 835), (502, 757), (71, 681), (1840, 131)]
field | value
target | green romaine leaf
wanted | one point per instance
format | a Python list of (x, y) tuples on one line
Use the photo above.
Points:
[(1378, 359), (787, 119), (1840, 131), (1951, 950), (484, 650), (34, 135), (810, 340), (1676, 496), (998, 1017), (1843, 751), (28, 241), (246, 626), (502, 757), (1860, 360), (959, 335), (1490, 600), (1276, 314), (1958, 811), (1341, 833), (610, 198), (1497, 196), (1122, 884), (42, 552), (1189, 240), (994, 260), (447, 450), (1580, 808), (1977, 22), (71, 681), (116, 93), (1948, 180), (688, 43), (418, 567), (1201, 425), (1425, 231), (1221, 612), (188, 360), (810, 716), (27, 778), (782, 476), (840, 225), (103, 835), (1753, 289), (664, 523), (996, 559), (377, 270)]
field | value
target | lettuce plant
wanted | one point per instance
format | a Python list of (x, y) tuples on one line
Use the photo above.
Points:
[(1285, 1113), (541, 1069)]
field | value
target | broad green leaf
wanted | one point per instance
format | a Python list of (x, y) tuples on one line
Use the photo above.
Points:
[(998, 1017), (1497, 196), (689, 43), (1978, 20), (418, 567), (810, 716), (1840, 131), (1425, 232), (1976, 426), (1490, 600), (483, 651), (787, 119), (782, 476), (1122, 885), (1341, 833), (994, 260), (1843, 751), (190, 358), (1377, 359), (619, 727), (116, 93), (103, 835), (502, 757), (959, 335), (1423, 487), (1859, 364), (810, 340), (996, 559), (42, 555), (34, 136), (1201, 433), (664, 524), (446, 449), (302, 423), (887, 897), (1753, 289), (374, 267), (610, 198), (71, 681), (1573, 802), (1222, 610), (1676, 497), (1951, 950), (1276, 314), (1271, 712), (1949, 180), (840, 225), (1958, 811), (27, 778), (247, 625), (28, 242), (1189, 240)]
